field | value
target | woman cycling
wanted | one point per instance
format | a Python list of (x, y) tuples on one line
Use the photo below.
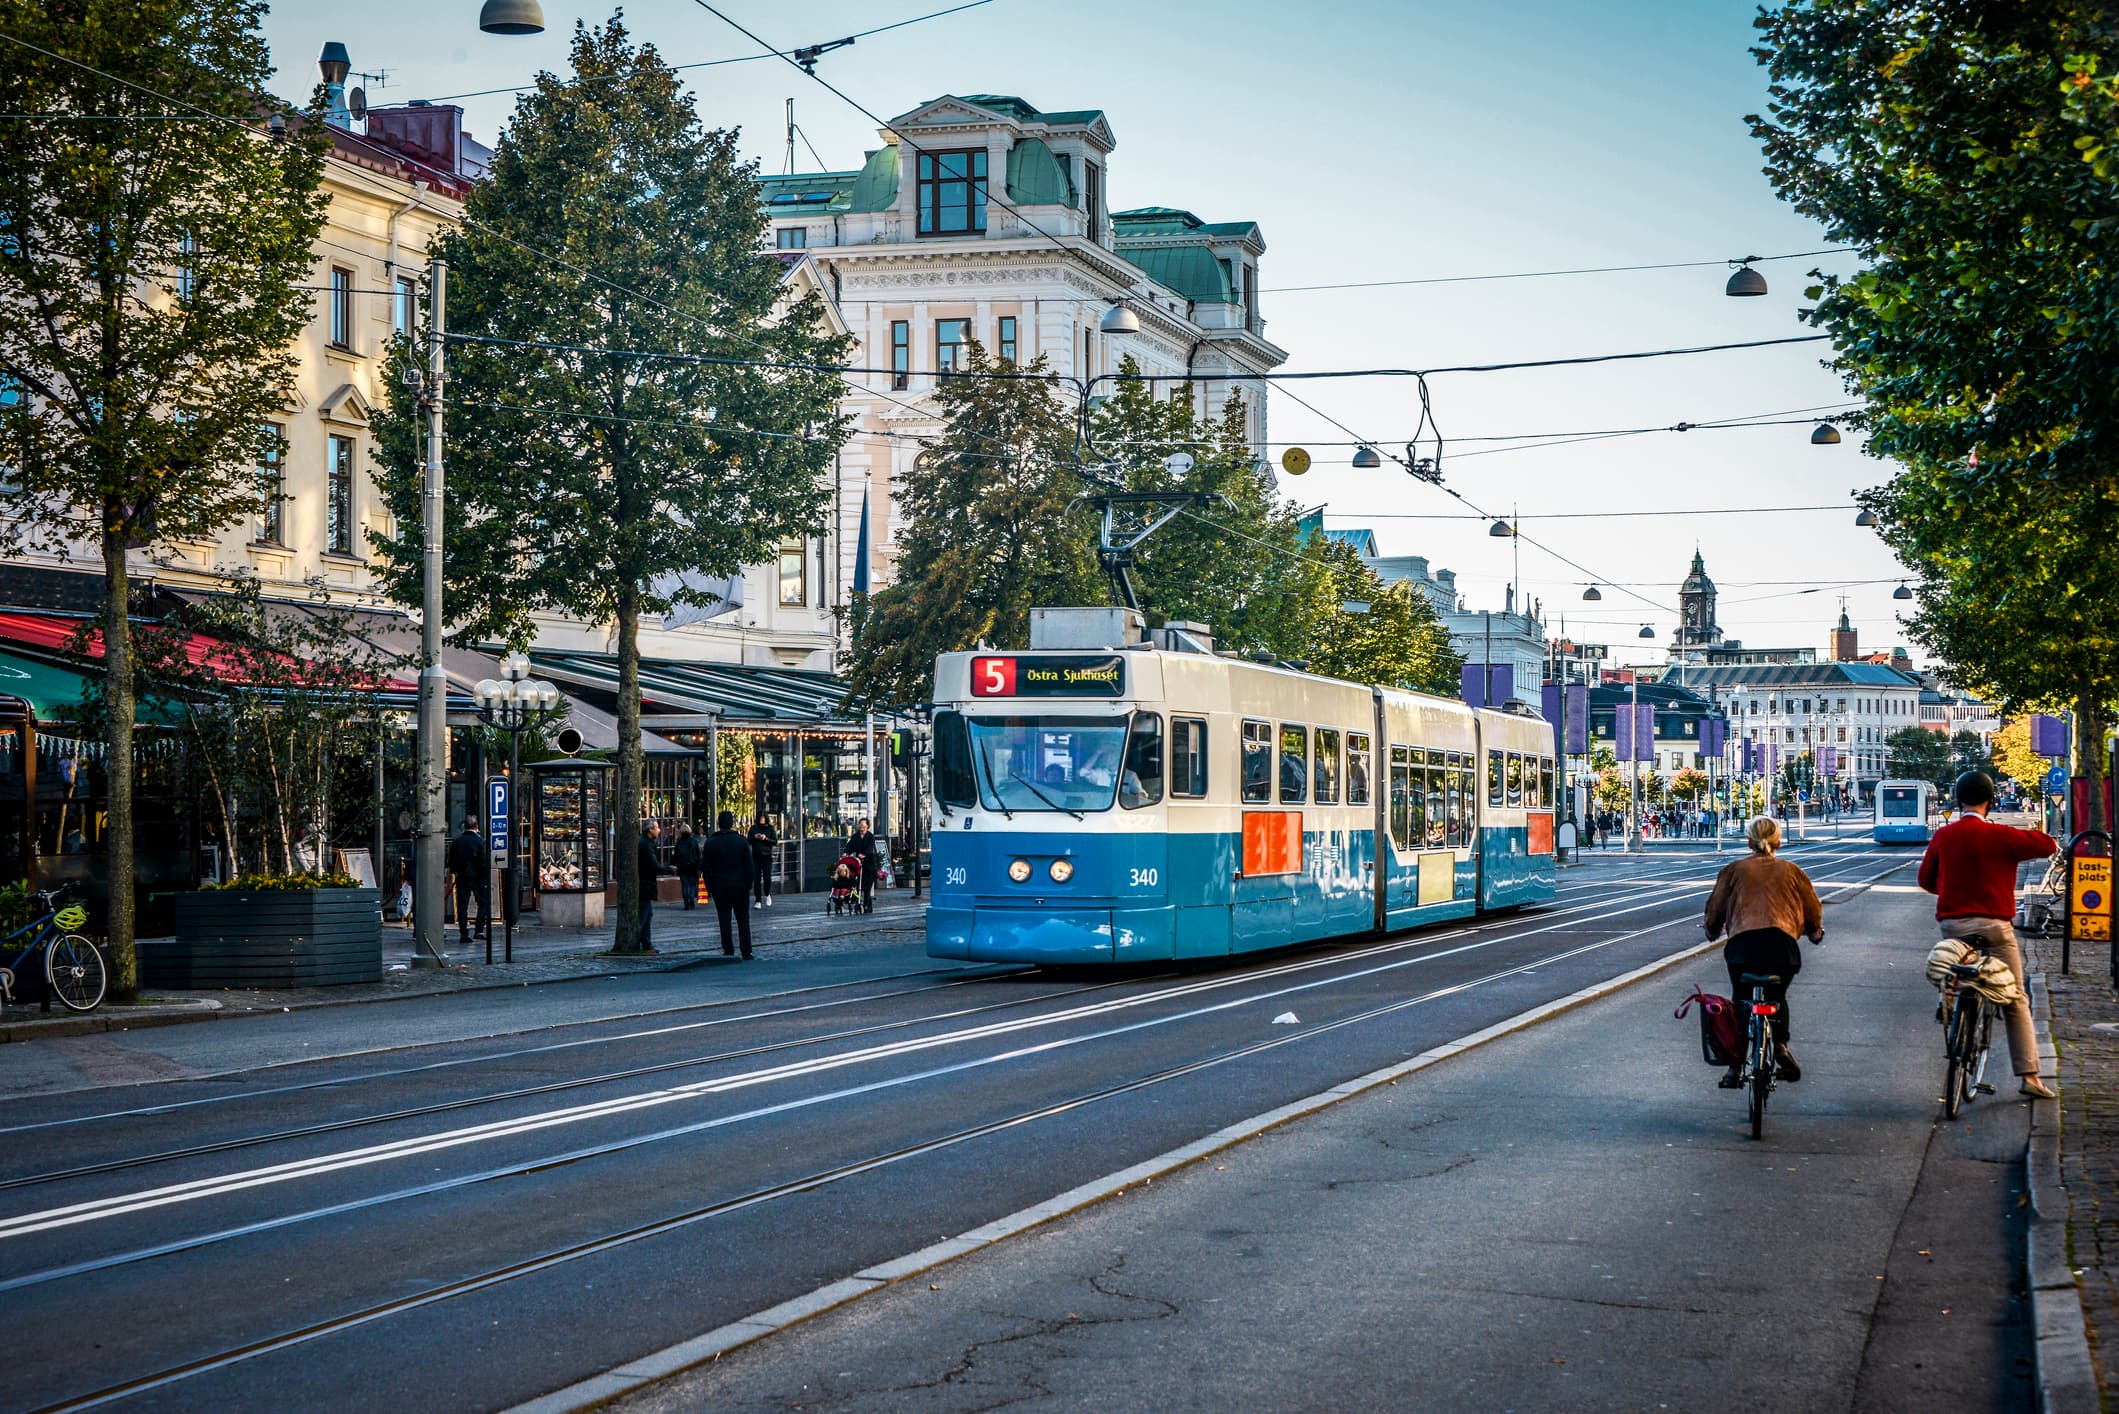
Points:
[(1763, 904)]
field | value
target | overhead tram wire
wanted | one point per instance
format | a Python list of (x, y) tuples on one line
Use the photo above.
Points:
[(717, 63), (1547, 274)]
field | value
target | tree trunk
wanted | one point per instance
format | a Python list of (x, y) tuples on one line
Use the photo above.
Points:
[(2089, 760), (117, 764), (625, 812)]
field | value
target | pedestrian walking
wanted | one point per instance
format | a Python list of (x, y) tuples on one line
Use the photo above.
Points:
[(684, 853), (762, 839), (651, 870), (473, 869), (729, 862), (862, 845), (1763, 904)]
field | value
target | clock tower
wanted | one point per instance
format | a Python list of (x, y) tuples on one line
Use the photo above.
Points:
[(1696, 626)]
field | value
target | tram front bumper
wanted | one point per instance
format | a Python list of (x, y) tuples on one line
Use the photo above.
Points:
[(1048, 935)]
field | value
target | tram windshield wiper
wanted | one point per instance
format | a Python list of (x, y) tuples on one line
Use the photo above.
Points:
[(1039, 792), (986, 756)]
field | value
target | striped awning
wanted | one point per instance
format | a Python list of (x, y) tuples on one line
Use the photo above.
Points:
[(733, 695)]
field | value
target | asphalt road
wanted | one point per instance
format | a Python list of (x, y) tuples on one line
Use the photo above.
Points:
[(457, 1216)]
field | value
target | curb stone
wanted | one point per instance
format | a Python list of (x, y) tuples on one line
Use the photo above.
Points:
[(2067, 1379), (639, 1373)]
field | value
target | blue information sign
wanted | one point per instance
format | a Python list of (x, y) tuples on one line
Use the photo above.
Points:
[(499, 801), (2056, 781)]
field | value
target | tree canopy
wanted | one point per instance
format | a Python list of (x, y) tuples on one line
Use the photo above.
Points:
[(1963, 150), (616, 444), (154, 245)]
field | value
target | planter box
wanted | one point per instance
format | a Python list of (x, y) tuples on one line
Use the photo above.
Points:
[(270, 938)]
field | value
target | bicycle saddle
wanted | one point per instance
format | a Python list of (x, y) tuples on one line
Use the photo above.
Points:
[(1756, 979)]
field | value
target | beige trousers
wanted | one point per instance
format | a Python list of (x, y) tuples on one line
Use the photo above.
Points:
[(2000, 937)]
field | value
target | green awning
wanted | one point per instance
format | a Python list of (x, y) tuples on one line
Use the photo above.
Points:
[(54, 690)]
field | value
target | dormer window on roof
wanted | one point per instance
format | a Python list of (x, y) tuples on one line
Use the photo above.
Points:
[(952, 193)]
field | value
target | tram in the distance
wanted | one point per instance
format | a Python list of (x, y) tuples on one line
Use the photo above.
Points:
[(1902, 812), (1143, 805)]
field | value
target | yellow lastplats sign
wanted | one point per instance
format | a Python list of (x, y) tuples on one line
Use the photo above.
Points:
[(2090, 890)]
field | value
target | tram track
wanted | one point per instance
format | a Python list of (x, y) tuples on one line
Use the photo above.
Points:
[(174, 1374)]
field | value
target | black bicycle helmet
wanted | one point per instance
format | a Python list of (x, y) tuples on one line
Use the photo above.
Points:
[(1974, 788)]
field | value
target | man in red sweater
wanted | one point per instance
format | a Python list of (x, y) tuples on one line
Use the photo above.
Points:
[(1970, 867)]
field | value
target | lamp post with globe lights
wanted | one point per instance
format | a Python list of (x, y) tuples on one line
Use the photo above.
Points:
[(513, 703)]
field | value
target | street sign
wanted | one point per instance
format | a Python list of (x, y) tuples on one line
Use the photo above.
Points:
[(2090, 919), (1294, 461), (2056, 781), (499, 807)]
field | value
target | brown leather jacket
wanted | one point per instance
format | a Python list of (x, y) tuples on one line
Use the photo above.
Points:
[(1763, 892)]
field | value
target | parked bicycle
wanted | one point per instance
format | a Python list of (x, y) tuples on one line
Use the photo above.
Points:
[(1759, 1060), (74, 971), (1967, 1029)]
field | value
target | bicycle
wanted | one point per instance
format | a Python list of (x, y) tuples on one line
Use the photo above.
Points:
[(74, 971), (1759, 1060), (1967, 1029)]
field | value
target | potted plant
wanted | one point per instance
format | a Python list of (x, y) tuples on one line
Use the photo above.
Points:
[(306, 929)]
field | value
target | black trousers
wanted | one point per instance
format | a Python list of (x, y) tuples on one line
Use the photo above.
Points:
[(761, 878), (731, 904), (467, 890), (868, 889), (1767, 952), (688, 880), (647, 917)]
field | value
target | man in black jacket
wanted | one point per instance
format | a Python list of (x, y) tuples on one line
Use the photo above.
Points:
[(762, 839), (685, 852), (862, 845), (651, 869), (473, 869), (725, 860)]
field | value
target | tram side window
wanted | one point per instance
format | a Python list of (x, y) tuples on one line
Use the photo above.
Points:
[(1401, 797), (1257, 762), (1515, 778), (1437, 800), (1188, 757), (1294, 764), (1141, 781), (1546, 797), (1460, 791), (1326, 776), (1416, 816), (1357, 768), (1494, 772), (954, 783)]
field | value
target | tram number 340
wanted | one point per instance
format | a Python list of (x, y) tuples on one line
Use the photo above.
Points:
[(1145, 878), (952, 876)]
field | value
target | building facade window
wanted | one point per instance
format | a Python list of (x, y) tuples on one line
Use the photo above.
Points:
[(341, 308), (792, 238), (338, 498), (950, 337), (404, 306), (187, 264), (272, 483), (1007, 339), (1250, 297), (900, 353), (794, 575), (952, 192), (1093, 196)]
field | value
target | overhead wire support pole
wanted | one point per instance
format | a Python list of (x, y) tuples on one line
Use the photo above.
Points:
[(429, 860)]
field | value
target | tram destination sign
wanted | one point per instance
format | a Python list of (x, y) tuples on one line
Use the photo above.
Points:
[(1028, 675)]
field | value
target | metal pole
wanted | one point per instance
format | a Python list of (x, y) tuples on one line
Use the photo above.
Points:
[(1633, 773), (433, 706), (510, 903), (913, 816)]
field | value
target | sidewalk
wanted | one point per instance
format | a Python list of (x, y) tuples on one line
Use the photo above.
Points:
[(2085, 1026), (796, 926)]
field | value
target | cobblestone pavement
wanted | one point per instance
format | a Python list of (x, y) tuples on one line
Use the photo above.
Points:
[(2086, 1034), (795, 926)]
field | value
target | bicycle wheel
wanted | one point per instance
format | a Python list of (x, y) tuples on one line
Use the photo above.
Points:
[(74, 971), (1976, 1064), (1958, 1037), (1761, 1077)]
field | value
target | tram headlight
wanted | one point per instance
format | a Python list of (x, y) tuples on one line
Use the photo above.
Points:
[(1019, 870), (1061, 871)]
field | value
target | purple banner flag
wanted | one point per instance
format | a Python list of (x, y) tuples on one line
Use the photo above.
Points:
[(1634, 731), (1549, 698), (1578, 721), (2048, 735), (1829, 760), (1475, 677), (1714, 736)]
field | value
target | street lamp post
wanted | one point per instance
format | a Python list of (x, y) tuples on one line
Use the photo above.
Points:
[(429, 860), (513, 703)]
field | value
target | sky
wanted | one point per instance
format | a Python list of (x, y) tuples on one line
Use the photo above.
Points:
[(1379, 140)]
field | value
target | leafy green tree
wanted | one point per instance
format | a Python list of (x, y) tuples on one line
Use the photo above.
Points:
[(1969, 753), (1689, 784), (1917, 754), (151, 273), (1397, 641), (992, 525), (2014, 758), (1965, 151), (584, 479)]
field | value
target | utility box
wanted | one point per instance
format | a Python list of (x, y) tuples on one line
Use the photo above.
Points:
[(1102, 628)]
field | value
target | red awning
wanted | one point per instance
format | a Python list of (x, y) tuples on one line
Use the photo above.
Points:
[(61, 634)]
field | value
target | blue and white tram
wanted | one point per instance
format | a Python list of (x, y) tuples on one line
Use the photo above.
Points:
[(1143, 805), (1902, 812)]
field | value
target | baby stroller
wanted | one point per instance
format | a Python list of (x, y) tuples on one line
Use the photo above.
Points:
[(845, 885)]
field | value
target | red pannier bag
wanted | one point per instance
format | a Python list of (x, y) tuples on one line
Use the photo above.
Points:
[(1721, 1037)]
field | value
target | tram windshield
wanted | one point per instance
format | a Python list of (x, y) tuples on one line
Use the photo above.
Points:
[(1900, 802), (1070, 764)]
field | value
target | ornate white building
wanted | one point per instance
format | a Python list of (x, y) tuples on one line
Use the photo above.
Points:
[(982, 218)]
